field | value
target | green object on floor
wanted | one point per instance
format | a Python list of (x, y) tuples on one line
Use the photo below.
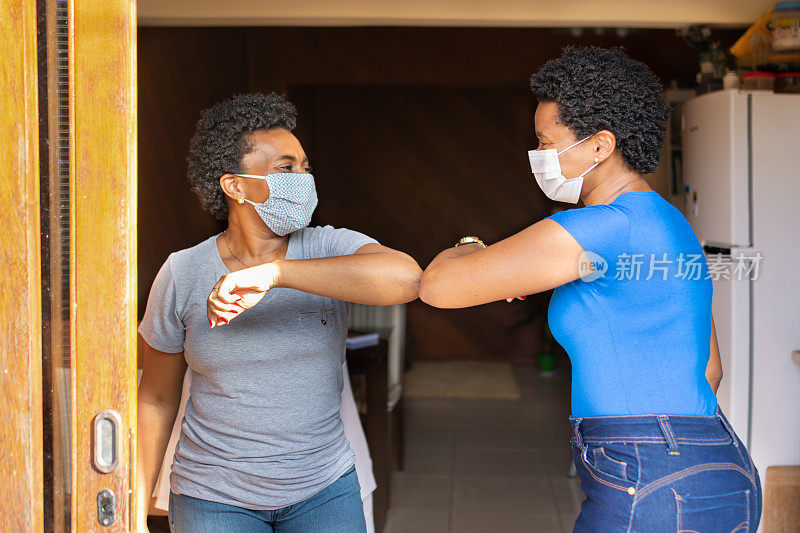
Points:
[(546, 361)]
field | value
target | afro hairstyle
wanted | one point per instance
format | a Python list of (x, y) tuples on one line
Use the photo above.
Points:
[(220, 142), (598, 89)]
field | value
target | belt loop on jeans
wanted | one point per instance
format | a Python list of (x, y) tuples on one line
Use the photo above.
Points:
[(577, 430), (727, 426), (663, 422)]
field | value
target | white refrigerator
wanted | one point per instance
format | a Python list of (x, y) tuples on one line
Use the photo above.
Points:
[(741, 171)]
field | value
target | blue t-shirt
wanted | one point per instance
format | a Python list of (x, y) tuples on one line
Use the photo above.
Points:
[(639, 334)]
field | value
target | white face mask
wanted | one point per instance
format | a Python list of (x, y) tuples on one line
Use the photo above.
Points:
[(292, 200), (547, 169)]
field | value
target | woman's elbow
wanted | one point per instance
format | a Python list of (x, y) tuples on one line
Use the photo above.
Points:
[(402, 285), (411, 284), (429, 290)]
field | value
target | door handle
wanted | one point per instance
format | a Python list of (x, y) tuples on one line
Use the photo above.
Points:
[(107, 437)]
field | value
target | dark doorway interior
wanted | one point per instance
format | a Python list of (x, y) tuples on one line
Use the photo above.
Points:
[(418, 167)]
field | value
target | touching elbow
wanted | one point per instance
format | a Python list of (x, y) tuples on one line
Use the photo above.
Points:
[(414, 280), (428, 292), (407, 282)]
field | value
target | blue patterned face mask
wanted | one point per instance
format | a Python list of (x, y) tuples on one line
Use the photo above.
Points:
[(292, 200)]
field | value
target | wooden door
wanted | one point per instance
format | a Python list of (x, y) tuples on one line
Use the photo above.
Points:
[(103, 246), (20, 309), (69, 278)]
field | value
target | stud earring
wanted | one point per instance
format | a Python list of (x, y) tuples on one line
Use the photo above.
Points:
[(240, 200), (596, 159)]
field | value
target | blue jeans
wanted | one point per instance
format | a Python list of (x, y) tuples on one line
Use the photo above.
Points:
[(657, 473), (335, 509)]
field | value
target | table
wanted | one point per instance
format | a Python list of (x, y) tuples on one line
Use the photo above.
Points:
[(372, 362)]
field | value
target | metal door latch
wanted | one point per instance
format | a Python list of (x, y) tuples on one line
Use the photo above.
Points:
[(105, 507)]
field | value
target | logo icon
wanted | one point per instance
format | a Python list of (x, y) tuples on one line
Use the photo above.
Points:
[(591, 266)]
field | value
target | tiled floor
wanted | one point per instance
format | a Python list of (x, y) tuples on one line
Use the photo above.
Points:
[(488, 466)]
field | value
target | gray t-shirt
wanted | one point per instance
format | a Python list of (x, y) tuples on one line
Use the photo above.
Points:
[(262, 427)]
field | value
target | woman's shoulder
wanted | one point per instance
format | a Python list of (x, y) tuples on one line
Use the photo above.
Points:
[(599, 214), (622, 211), (328, 232), (327, 241), (641, 203), (602, 228), (315, 232), (192, 256)]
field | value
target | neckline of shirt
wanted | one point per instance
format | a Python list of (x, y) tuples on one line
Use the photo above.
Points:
[(221, 267), (633, 192), (221, 264)]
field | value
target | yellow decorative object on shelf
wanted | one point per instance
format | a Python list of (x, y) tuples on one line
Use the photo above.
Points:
[(753, 47)]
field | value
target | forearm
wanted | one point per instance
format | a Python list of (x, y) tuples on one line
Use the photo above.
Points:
[(381, 278), (536, 259), (442, 283), (154, 429), (444, 258)]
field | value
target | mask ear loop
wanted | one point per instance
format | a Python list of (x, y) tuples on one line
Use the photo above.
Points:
[(265, 178), (242, 200), (572, 145), (576, 144), (587, 171)]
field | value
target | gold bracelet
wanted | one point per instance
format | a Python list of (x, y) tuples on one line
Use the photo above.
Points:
[(470, 240)]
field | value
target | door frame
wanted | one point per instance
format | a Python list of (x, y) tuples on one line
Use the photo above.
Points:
[(103, 247), (20, 281), (102, 279)]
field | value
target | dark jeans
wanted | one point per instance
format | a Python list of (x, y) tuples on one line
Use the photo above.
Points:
[(657, 473), (336, 509)]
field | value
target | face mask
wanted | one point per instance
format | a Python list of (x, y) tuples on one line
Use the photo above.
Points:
[(292, 200), (547, 169)]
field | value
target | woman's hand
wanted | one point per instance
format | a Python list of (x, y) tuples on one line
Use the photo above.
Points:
[(240, 290)]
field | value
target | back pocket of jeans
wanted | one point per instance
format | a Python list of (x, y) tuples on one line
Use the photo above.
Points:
[(723, 513)]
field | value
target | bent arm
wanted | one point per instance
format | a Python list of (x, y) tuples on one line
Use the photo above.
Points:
[(538, 258), (373, 275), (157, 404), (714, 367)]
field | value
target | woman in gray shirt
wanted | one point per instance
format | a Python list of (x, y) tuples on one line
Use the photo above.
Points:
[(257, 312)]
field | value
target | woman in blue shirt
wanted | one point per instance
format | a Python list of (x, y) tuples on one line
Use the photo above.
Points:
[(631, 306)]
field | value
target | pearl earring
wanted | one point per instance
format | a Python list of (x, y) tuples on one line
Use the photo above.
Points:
[(240, 200)]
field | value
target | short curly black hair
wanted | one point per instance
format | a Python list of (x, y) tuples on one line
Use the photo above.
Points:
[(604, 89), (220, 141)]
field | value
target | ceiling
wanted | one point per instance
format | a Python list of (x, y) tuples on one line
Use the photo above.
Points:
[(498, 13)]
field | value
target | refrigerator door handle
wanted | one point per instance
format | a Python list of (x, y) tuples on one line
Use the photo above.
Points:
[(717, 249), (735, 253)]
